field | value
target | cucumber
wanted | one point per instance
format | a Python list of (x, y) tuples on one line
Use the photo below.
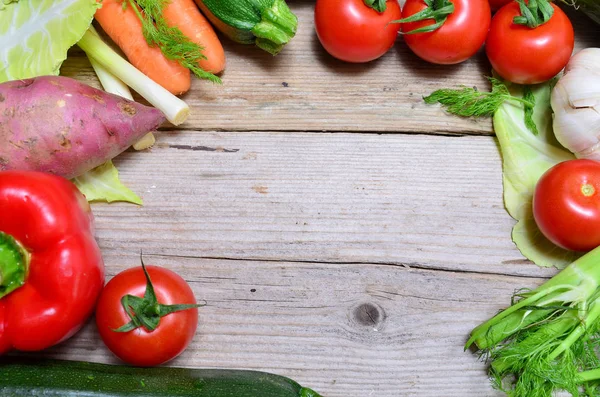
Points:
[(22, 377), (270, 24)]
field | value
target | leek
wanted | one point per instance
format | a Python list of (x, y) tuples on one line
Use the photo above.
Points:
[(113, 85), (174, 109), (547, 340)]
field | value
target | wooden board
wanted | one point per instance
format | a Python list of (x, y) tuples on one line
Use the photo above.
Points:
[(408, 200), (344, 330)]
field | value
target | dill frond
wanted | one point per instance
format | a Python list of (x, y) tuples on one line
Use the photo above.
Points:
[(470, 102), (171, 41)]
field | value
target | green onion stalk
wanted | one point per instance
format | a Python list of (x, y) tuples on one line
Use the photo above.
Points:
[(548, 339)]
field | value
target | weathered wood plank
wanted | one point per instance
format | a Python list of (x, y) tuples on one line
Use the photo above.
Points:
[(305, 89), (414, 200), (351, 330)]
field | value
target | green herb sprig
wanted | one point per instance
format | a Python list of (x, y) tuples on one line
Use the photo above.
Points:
[(171, 41), (470, 102), (437, 10)]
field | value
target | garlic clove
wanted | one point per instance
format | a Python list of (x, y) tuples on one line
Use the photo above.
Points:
[(576, 104)]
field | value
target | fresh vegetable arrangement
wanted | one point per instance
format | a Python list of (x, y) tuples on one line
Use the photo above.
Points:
[(546, 341), (152, 39), (50, 263)]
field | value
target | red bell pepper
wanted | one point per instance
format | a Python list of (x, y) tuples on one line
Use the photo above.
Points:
[(51, 269)]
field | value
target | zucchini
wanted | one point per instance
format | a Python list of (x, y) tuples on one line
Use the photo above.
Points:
[(20, 376), (270, 24)]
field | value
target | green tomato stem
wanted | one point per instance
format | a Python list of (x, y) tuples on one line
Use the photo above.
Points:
[(377, 5), (533, 13), (14, 263), (147, 311), (438, 10)]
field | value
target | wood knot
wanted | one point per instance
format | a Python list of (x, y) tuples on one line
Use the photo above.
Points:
[(368, 315)]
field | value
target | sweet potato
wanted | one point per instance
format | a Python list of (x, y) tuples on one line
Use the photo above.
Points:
[(61, 126)]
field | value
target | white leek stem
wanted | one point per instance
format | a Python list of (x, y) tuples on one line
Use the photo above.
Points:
[(113, 85), (174, 109), (109, 82)]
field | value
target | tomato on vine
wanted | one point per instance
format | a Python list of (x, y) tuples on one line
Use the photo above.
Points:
[(357, 30), (445, 31), (147, 316), (530, 43)]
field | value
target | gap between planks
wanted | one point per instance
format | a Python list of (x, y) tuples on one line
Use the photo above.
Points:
[(406, 266)]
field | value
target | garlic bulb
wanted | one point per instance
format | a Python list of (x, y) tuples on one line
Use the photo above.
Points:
[(576, 104)]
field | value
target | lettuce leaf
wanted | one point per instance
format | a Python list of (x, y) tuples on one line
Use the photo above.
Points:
[(36, 34), (525, 157), (103, 184)]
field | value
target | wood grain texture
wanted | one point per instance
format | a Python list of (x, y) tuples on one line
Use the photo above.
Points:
[(409, 200), (344, 330), (305, 89)]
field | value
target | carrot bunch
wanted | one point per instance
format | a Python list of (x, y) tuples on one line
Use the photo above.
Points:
[(166, 40)]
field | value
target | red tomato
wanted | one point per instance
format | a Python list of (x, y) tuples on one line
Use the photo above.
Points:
[(529, 56), (566, 204), (354, 32), (458, 39), (140, 346), (497, 4)]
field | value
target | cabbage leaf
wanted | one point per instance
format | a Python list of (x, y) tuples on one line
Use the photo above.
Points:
[(525, 157), (103, 184), (36, 34)]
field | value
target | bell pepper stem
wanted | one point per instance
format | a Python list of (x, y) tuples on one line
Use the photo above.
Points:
[(14, 263)]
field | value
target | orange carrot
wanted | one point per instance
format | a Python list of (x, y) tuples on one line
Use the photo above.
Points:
[(184, 14), (125, 29)]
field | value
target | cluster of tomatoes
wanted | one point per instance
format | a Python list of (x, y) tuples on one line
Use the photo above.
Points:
[(352, 31)]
